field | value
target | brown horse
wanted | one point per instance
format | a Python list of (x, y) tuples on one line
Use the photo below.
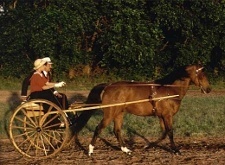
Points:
[(176, 83)]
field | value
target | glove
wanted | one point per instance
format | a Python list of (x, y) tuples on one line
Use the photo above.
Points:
[(23, 102), (60, 84), (23, 98), (56, 93)]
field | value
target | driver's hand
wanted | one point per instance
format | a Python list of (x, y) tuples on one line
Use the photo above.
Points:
[(57, 94)]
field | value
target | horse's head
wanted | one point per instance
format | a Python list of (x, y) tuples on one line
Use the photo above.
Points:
[(199, 78)]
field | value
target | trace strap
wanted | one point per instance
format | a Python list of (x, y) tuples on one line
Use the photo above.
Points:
[(116, 104)]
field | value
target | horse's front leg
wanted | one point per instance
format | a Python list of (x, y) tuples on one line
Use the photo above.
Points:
[(117, 131), (164, 131), (98, 130), (168, 125), (172, 143), (162, 137)]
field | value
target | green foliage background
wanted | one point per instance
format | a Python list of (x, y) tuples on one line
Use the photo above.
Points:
[(130, 39)]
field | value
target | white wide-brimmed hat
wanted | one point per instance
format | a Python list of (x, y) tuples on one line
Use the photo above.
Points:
[(38, 63), (48, 60)]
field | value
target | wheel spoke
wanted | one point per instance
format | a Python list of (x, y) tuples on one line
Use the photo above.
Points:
[(28, 149), (53, 137), (22, 120), (52, 126), (23, 134), (31, 120), (51, 120), (48, 141), (59, 131), (49, 110), (22, 128), (28, 139), (41, 104), (42, 142), (34, 116)]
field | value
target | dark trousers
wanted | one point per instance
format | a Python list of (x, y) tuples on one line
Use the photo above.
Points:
[(61, 102), (48, 95)]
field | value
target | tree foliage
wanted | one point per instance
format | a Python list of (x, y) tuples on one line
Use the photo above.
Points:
[(131, 39)]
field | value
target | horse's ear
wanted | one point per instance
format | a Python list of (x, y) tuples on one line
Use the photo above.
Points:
[(199, 63)]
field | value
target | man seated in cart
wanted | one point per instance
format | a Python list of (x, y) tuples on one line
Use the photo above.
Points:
[(42, 88)]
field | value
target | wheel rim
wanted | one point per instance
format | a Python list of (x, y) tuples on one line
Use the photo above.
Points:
[(35, 130)]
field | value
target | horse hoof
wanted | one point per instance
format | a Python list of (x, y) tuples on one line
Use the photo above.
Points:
[(91, 150), (129, 152), (149, 145), (176, 152), (146, 146), (126, 150)]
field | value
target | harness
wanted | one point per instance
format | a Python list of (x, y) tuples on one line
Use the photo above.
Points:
[(152, 95), (153, 91)]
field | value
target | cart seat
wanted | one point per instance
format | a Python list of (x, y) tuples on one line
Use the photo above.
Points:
[(33, 109)]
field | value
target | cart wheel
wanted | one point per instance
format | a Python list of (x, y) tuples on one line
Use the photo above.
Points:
[(38, 129)]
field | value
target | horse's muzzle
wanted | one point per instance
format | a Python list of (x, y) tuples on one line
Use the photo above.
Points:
[(207, 90)]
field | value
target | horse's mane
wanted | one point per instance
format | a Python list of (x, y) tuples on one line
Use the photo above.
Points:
[(178, 74)]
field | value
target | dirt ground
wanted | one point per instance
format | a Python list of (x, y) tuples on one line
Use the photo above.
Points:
[(194, 151), (202, 151)]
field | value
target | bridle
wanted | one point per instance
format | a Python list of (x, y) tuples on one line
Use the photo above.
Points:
[(197, 74), (199, 69)]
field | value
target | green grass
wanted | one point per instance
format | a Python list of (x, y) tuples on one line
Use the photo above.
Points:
[(4, 120), (201, 116), (10, 83)]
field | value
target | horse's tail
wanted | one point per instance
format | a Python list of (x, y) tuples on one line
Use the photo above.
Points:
[(94, 97)]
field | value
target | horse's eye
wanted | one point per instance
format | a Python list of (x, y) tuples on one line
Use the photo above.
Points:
[(201, 75)]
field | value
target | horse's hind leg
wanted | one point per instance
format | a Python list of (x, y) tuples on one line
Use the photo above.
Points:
[(104, 123), (118, 122)]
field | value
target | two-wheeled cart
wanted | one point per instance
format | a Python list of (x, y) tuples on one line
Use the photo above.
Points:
[(39, 129)]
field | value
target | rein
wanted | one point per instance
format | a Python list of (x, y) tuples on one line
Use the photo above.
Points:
[(162, 85), (196, 73), (63, 99), (166, 85), (116, 104)]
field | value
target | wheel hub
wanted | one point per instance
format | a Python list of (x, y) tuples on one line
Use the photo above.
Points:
[(38, 129)]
